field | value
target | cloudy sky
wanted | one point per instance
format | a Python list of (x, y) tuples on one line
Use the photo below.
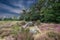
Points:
[(14, 7)]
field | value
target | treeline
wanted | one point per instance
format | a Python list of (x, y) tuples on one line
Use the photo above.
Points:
[(44, 10), (8, 19)]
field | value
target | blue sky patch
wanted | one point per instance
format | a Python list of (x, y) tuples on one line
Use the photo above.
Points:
[(14, 7)]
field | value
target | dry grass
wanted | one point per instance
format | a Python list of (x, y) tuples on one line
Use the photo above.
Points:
[(14, 28)]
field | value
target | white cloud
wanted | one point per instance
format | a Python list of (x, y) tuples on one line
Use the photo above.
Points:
[(18, 4), (31, 1), (12, 9)]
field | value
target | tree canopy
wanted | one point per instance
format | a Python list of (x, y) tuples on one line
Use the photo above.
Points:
[(44, 10)]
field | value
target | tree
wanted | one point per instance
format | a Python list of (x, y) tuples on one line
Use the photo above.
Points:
[(52, 12), (49, 10), (45, 11)]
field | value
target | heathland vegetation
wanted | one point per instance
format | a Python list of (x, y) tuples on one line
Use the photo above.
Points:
[(39, 23)]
